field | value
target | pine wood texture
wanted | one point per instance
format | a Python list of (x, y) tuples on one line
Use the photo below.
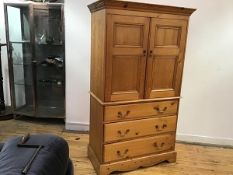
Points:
[(139, 110), (138, 147), (96, 128), (167, 47), (98, 53), (142, 59), (191, 159), (114, 4), (126, 52), (138, 128)]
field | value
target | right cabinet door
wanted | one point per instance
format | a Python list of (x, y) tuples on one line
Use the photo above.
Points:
[(166, 57)]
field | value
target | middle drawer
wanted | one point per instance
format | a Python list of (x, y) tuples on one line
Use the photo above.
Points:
[(137, 128)]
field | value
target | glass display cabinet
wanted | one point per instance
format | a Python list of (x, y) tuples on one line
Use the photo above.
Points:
[(36, 51)]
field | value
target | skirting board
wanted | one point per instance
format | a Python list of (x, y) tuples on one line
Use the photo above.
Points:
[(204, 139), (77, 126)]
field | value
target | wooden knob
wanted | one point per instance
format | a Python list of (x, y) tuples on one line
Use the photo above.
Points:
[(144, 53)]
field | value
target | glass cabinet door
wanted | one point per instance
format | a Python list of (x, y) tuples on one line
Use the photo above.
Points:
[(49, 60), (20, 51)]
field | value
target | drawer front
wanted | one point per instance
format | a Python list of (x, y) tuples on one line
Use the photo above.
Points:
[(138, 147), (133, 129), (121, 112)]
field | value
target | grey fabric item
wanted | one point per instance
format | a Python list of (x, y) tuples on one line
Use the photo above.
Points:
[(1, 145), (70, 169), (53, 159)]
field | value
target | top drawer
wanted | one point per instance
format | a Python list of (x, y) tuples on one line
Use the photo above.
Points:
[(132, 111)]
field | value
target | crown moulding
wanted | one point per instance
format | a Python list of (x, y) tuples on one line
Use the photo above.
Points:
[(115, 4)]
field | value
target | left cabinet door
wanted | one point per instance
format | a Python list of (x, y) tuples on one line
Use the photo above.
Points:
[(127, 38), (20, 58)]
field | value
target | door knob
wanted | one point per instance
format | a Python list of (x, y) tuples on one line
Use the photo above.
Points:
[(144, 53), (151, 53)]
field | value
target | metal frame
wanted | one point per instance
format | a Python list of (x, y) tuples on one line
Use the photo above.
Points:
[(2, 100), (31, 6)]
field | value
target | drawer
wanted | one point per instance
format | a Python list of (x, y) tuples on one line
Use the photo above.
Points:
[(131, 111), (138, 147), (137, 128)]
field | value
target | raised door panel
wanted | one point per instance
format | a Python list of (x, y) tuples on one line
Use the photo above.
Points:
[(166, 57), (127, 38)]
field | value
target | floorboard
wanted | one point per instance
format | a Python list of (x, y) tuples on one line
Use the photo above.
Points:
[(191, 159)]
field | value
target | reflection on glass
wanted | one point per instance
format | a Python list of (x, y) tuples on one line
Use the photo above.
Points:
[(49, 52), (16, 33), (19, 36), (48, 26)]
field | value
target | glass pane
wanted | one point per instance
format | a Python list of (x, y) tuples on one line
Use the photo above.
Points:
[(21, 53), (48, 26), (18, 21), (49, 54), (19, 35), (22, 73)]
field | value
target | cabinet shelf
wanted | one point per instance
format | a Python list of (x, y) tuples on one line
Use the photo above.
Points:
[(22, 82), (21, 42), (50, 44)]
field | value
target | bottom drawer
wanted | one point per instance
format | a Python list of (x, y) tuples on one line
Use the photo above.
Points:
[(138, 147)]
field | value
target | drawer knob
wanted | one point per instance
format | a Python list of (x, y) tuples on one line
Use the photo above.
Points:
[(122, 155), (123, 134), (122, 116), (159, 110)]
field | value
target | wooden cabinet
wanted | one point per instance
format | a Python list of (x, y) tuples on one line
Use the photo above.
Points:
[(136, 71)]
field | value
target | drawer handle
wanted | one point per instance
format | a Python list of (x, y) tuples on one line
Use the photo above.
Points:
[(155, 145), (122, 154), (160, 110), (123, 134), (161, 145), (121, 115), (158, 128), (164, 126)]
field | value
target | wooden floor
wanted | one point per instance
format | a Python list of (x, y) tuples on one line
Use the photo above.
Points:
[(191, 160)]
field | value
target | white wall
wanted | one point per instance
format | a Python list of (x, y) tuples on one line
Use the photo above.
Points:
[(78, 42), (205, 110)]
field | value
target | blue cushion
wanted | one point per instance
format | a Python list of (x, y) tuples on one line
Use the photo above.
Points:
[(53, 159)]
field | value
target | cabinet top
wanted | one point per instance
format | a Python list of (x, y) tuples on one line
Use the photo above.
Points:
[(116, 4)]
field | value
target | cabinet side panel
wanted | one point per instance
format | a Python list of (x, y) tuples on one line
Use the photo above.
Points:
[(96, 128), (98, 53)]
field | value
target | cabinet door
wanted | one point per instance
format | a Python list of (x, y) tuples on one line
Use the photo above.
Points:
[(127, 38), (166, 57)]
